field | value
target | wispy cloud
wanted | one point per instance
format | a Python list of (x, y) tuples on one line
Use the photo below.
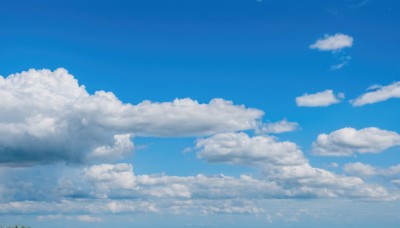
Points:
[(378, 94)]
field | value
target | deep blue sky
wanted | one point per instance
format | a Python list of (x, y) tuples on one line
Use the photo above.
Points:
[(252, 52)]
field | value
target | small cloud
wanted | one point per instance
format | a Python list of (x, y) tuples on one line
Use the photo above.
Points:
[(333, 165), (344, 61), (320, 99), (87, 218), (277, 127), (333, 43)]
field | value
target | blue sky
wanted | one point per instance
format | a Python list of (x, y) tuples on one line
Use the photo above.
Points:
[(200, 113)]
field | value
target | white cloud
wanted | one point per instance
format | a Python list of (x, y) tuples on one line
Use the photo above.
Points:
[(47, 116), (122, 145), (379, 93), (346, 141), (359, 169), (82, 218), (320, 99), (277, 127), (344, 61), (307, 181), (240, 149), (333, 43), (365, 170), (88, 218), (108, 177)]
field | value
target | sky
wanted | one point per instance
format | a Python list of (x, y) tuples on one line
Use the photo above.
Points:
[(200, 113)]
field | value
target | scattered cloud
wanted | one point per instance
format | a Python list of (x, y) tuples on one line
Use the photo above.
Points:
[(277, 127), (347, 141), (378, 94), (48, 117), (320, 99), (333, 42)]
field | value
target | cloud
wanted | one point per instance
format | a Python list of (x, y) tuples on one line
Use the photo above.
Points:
[(48, 117), (347, 141), (240, 149), (82, 218), (292, 181), (365, 170), (283, 163), (108, 177), (344, 61), (88, 218), (307, 181), (277, 127), (320, 99), (333, 43), (379, 93), (359, 169)]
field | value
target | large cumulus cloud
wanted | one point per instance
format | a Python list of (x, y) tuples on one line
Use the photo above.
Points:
[(47, 116)]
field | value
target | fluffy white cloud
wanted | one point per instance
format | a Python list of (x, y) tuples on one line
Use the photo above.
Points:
[(47, 116), (379, 93), (320, 99), (240, 149), (333, 43), (108, 177), (277, 127), (346, 141)]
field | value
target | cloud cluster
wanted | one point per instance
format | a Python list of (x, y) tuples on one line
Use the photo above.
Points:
[(320, 99), (47, 116), (333, 42), (379, 93), (346, 141), (283, 163), (290, 181)]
